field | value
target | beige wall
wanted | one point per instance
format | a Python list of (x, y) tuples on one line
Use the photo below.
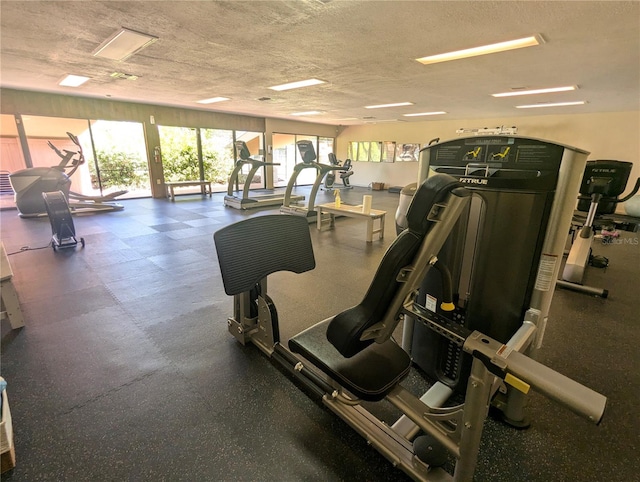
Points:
[(613, 135)]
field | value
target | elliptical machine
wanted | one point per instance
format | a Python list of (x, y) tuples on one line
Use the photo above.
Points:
[(345, 173), (29, 184), (603, 181)]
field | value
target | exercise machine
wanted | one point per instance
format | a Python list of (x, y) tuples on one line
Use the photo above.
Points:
[(345, 173), (602, 183), (29, 184), (260, 198), (503, 256), (308, 156), (63, 232), (350, 357)]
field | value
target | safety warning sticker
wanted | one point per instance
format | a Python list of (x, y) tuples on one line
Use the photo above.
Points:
[(546, 272), (431, 303)]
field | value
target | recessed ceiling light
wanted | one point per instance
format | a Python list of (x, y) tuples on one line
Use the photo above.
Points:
[(212, 100), (73, 80), (309, 112), (536, 91), (398, 104), (379, 121), (424, 113), (123, 44), (297, 85), (483, 50), (555, 104)]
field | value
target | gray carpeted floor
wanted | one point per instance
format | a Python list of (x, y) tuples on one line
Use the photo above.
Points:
[(125, 369)]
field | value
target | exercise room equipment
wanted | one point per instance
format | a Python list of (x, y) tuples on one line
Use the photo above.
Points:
[(602, 184), (352, 358), (63, 231), (259, 198), (308, 156), (345, 173), (29, 184)]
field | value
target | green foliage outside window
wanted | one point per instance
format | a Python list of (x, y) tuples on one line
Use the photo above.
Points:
[(180, 155), (118, 170)]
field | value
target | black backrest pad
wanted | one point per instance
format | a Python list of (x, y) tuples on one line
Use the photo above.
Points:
[(346, 328), (251, 249)]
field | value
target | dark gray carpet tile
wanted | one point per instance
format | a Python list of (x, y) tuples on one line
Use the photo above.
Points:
[(102, 261), (206, 221), (184, 215), (178, 259), (190, 233), (53, 283), (162, 306), (53, 309), (85, 357), (153, 428), (127, 269), (169, 226), (152, 244), (152, 218), (105, 242)]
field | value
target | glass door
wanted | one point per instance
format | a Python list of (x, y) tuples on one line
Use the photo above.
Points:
[(255, 144), (218, 157), (179, 147), (119, 158), (284, 153)]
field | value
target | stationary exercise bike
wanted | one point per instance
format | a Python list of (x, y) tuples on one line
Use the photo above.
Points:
[(345, 173), (29, 185), (602, 183)]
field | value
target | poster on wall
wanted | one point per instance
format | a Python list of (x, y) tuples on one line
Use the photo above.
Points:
[(388, 151), (407, 152)]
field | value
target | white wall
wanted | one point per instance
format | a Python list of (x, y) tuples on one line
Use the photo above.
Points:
[(612, 135)]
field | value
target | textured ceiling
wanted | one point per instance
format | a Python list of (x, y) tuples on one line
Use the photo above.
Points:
[(365, 50)]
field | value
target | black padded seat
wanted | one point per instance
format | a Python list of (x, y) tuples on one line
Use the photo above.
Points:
[(369, 375), (370, 370)]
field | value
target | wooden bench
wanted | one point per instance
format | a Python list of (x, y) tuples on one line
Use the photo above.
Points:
[(205, 187), (353, 212), (10, 303)]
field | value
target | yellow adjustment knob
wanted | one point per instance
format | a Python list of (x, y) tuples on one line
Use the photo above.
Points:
[(447, 306)]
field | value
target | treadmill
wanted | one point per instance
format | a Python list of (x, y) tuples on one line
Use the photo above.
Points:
[(235, 199), (308, 155)]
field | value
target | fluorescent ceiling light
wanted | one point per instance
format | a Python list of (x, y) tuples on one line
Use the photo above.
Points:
[(297, 85), (123, 44), (424, 113), (483, 50), (398, 104), (555, 104), (379, 121), (212, 100), (309, 112), (536, 91), (73, 80)]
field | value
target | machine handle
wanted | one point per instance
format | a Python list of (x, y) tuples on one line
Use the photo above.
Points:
[(504, 361)]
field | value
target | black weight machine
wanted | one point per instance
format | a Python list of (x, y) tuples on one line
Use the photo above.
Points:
[(260, 198), (602, 184), (350, 357)]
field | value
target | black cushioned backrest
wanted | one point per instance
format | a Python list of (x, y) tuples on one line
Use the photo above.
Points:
[(346, 328), (251, 249), (333, 159)]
